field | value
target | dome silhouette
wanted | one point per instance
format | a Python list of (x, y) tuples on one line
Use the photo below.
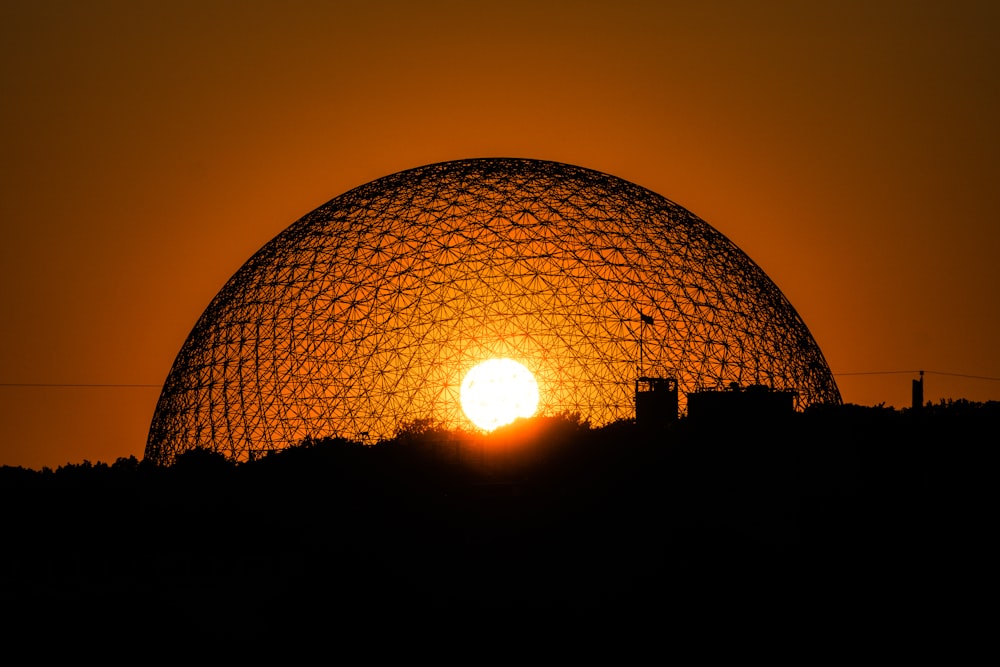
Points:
[(365, 314)]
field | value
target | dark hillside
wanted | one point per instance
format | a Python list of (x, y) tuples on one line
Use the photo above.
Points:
[(863, 518)]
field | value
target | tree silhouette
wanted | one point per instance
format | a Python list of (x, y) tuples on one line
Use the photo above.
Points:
[(844, 511)]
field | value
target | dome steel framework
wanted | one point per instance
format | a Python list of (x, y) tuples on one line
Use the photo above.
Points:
[(365, 314)]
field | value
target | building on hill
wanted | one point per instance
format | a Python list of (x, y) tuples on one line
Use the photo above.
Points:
[(752, 403)]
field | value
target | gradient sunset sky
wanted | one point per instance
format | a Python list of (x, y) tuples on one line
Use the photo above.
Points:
[(149, 148)]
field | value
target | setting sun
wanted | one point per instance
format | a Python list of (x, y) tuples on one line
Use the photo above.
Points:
[(498, 391)]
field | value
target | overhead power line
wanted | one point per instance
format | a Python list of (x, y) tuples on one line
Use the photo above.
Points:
[(960, 375), (96, 385), (78, 386), (875, 372)]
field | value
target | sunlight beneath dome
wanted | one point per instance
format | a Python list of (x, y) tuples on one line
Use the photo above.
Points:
[(498, 391)]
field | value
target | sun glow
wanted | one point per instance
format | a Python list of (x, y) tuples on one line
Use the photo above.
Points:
[(498, 391)]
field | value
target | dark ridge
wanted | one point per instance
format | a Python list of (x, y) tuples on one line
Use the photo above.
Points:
[(838, 517)]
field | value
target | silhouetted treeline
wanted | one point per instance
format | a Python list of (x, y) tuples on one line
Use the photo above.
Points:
[(850, 510)]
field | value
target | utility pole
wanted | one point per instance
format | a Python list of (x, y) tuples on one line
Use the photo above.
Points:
[(918, 392)]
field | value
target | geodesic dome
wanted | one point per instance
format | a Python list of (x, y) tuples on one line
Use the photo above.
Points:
[(365, 314)]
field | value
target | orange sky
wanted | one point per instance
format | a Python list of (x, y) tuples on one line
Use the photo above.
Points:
[(149, 148)]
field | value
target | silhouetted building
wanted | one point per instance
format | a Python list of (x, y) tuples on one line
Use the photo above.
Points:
[(655, 402), (755, 402)]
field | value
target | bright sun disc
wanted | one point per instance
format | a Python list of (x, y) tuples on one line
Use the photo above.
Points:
[(498, 391)]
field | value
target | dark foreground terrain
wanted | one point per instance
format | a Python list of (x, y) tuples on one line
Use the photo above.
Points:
[(830, 532)]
